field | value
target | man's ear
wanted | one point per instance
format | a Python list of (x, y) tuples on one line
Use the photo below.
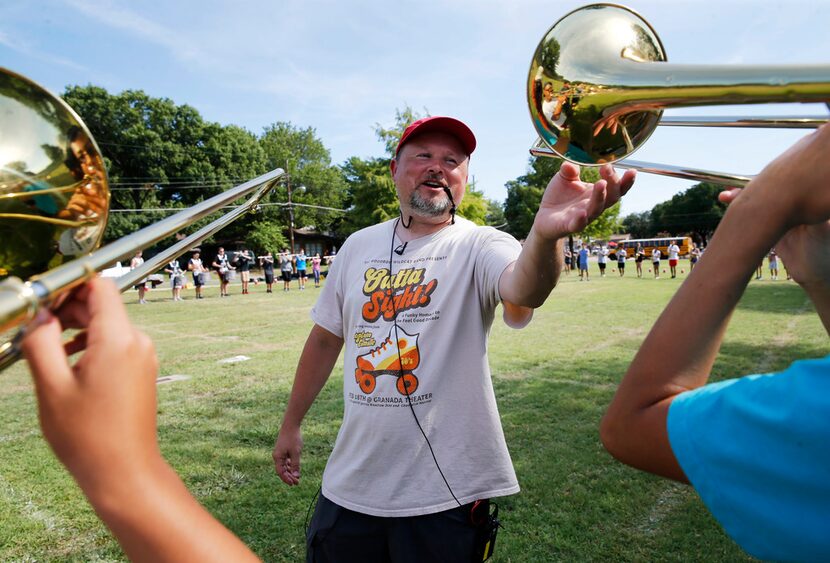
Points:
[(393, 166)]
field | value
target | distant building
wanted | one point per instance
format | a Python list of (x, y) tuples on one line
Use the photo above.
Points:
[(314, 241)]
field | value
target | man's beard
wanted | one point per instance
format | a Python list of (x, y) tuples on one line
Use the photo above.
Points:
[(433, 207)]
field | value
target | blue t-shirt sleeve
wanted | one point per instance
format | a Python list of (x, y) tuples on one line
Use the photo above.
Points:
[(757, 450)]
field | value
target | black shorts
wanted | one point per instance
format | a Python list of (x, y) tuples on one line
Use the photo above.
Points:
[(342, 535), (286, 275), (199, 279), (621, 265), (601, 267), (269, 277), (301, 273)]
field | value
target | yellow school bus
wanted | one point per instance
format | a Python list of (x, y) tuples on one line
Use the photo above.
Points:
[(649, 244)]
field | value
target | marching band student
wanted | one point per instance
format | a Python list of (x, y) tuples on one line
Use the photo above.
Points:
[(176, 278), (755, 448), (267, 264), (243, 261), (621, 257), (639, 256), (141, 285), (315, 269), (223, 266), (655, 262), (300, 261), (286, 268), (674, 252), (199, 272)]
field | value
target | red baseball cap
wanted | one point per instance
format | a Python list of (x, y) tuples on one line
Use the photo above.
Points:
[(443, 124)]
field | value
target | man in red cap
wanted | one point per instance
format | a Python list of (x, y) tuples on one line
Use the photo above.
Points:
[(421, 449)]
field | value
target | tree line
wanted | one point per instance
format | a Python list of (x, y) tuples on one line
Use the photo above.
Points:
[(162, 156)]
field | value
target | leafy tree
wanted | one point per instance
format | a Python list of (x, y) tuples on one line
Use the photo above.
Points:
[(605, 225), (371, 194), (159, 154), (550, 56), (315, 182), (392, 135), (638, 225), (474, 206), (520, 207), (525, 193), (163, 155), (266, 236), (696, 211), (495, 214)]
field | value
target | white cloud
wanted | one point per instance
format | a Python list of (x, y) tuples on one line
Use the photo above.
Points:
[(110, 13), (25, 48)]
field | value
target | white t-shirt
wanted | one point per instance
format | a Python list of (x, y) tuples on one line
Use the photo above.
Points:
[(548, 107), (447, 290), (174, 269), (621, 255), (674, 250), (655, 255), (196, 265), (602, 255)]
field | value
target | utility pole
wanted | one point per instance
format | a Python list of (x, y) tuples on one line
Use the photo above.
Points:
[(291, 209), (290, 215)]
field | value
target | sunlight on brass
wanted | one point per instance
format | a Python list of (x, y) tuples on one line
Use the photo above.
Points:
[(54, 196), (54, 202), (598, 84)]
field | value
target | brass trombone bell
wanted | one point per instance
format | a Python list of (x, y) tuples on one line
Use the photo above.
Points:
[(599, 81), (54, 201), (54, 195)]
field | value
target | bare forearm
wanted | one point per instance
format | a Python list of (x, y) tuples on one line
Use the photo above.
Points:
[(155, 518), (680, 350), (535, 273), (789, 197), (697, 315), (820, 296)]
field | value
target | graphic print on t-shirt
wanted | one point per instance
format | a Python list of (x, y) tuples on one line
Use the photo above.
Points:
[(392, 295), (387, 359), (403, 296)]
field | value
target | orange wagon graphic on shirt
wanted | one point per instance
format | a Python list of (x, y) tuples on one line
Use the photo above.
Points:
[(385, 359)]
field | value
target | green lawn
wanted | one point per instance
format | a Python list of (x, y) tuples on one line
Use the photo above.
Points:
[(553, 380)]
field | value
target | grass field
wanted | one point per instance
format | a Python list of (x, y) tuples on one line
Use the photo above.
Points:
[(553, 381)]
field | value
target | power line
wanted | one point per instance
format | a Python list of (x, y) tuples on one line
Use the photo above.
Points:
[(295, 204), (139, 187), (228, 207), (170, 179), (150, 148), (162, 181)]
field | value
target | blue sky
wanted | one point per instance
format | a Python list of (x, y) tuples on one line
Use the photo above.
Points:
[(341, 67)]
